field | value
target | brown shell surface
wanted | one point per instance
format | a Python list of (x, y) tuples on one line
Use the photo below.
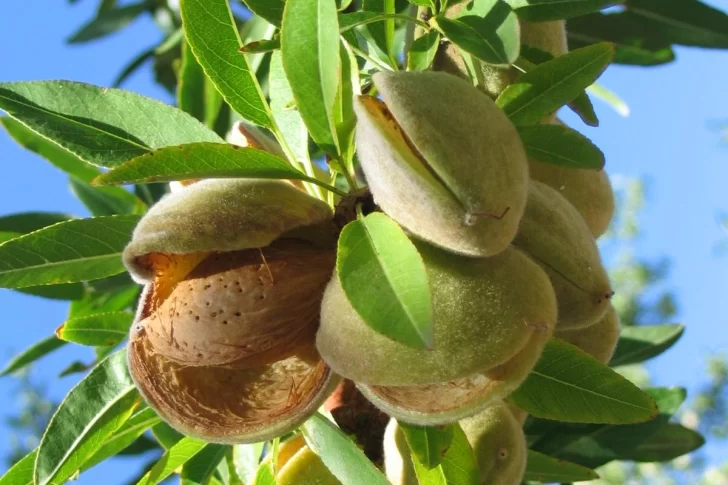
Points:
[(227, 405), (240, 304)]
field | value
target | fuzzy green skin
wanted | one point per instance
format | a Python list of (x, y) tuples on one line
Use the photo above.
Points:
[(598, 340), (455, 400), (499, 445), (546, 36), (555, 235), (589, 191), (223, 215), (484, 312), (463, 187)]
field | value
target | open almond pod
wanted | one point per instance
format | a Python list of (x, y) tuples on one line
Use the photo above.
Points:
[(491, 318), (223, 343)]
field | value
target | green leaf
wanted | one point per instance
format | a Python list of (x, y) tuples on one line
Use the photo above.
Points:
[(547, 87), (271, 10), (310, 51), (264, 475), (60, 157), (67, 252), (31, 354), (25, 222), (381, 32), (339, 453), (201, 160), (428, 444), (488, 30), (214, 39), (560, 145), (458, 466), (634, 42), (22, 472), (569, 385), (385, 280), (545, 469), (246, 459), (124, 436), (67, 291), (100, 329), (540, 10), (595, 445), (637, 344), (173, 458), (91, 412), (108, 21), (581, 105), (201, 467), (166, 435), (284, 110), (261, 46), (614, 101), (106, 201), (191, 85), (422, 51), (670, 441), (686, 22), (99, 125)]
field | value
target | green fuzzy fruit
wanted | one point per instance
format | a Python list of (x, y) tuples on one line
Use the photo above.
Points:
[(499, 445), (555, 235), (485, 311), (545, 36), (589, 191), (443, 161), (447, 402), (598, 340)]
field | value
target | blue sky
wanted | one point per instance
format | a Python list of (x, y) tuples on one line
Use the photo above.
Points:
[(667, 139)]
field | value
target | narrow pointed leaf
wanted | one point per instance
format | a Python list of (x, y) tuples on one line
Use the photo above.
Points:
[(106, 201), (385, 279), (124, 436), (201, 467), (214, 39), (201, 160), (547, 87), (339, 453), (428, 443), (458, 466), (108, 21), (91, 412), (488, 31), (271, 10), (173, 458), (191, 84), (634, 42), (32, 354), (22, 472), (55, 154), (561, 145), (637, 344), (283, 105), (670, 441), (422, 51), (545, 469), (67, 252), (264, 475), (310, 51), (540, 10), (687, 22), (609, 97), (65, 291), (101, 126), (25, 222), (246, 459), (100, 329), (569, 385)]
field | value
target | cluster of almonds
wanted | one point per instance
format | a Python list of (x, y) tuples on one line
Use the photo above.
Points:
[(244, 329)]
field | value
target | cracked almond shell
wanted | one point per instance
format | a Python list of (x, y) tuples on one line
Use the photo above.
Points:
[(485, 311), (443, 160)]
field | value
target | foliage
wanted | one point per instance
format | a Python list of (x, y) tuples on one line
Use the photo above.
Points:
[(291, 69)]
